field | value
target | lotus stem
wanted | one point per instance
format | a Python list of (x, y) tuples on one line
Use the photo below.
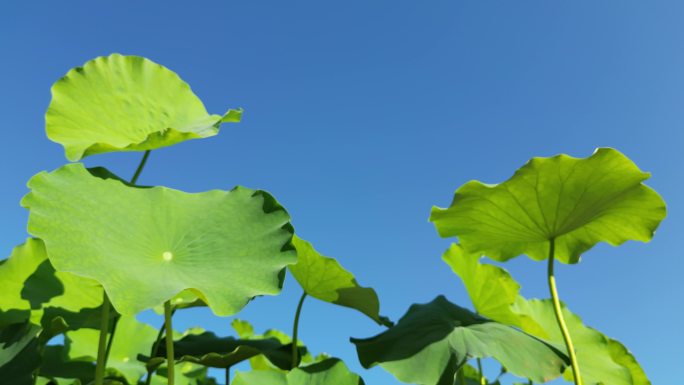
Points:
[(480, 374), (228, 375), (102, 344), (295, 329), (559, 315), (155, 347), (168, 313), (141, 166)]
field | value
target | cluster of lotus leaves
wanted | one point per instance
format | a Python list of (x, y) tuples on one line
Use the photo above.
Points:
[(146, 245), (495, 294)]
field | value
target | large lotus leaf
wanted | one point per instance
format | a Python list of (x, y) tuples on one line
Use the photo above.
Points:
[(328, 372), (259, 363), (223, 352), (32, 289), (126, 103), (577, 202), (227, 246), (496, 295), (324, 278), (432, 341), (131, 338)]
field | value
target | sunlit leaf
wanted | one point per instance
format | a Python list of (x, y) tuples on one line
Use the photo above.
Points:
[(32, 289), (577, 202), (126, 103), (131, 338), (324, 278), (328, 372), (432, 341), (496, 295), (147, 245)]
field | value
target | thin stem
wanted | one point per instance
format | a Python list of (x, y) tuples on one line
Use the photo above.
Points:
[(479, 372), (111, 337), (141, 166), (529, 382), (168, 313), (295, 329), (559, 316), (460, 376), (102, 345), (228, 375), (155, 347)]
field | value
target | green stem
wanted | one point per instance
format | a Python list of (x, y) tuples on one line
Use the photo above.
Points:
[(111, 337), (460, 376), (529, 382), (155, 347), (479, 372), (295, 329), (141, 166), (168, 313), (102, 345), (559, 316), (228, 375)]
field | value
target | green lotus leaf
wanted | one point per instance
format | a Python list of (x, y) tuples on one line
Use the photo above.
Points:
[(223, 352), (324, 278), (19, 352), (576, 202), (491, 289), (330, 371), (496, 295), (432, 341), (126, 103), (260, 362), (131, 338), (185, 373), (32, 289), (227, 246), (603, 360)]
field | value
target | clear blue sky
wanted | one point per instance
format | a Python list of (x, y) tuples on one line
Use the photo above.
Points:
[(361, 115)]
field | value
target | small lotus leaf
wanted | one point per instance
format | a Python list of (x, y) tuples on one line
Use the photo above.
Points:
[(576, 202), (324, 278), (432, 341), (495, 294), (328, 372), (227, 246), (223, 352), (32, 288), (131, 338), (19, 352), (259, 363), (126, 103)]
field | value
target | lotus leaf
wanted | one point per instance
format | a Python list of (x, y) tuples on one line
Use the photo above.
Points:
[(126, 103), (576, 202), (259, 363), (19, 352), (32, 288), (432, 341), (223, 352), (495, 294), (324, 278), (132, 338), (330, 371), (227, 246)]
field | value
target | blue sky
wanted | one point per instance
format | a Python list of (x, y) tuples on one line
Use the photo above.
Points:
[(359, 116)]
